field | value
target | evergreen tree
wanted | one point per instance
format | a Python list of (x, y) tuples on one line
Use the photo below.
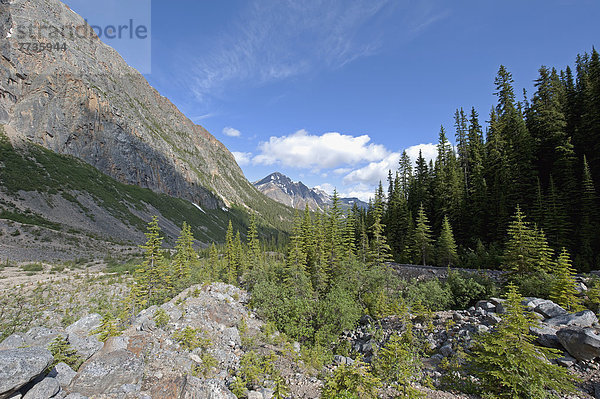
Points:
[(520, 256), (348, 239), (564, 291), (405, 174), (238, 255), (380, 251), (508, 364), (231, 266), (588, 220), (527, 250), (185, 255), (446, 246), (333, 233), (253, 244), (153, 276), (422, 238), (296, 276)]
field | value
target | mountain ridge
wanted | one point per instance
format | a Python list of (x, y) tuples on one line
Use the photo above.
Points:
[(281, 188), (87, 102)]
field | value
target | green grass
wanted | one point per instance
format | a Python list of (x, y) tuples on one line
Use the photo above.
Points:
[(32, 267)]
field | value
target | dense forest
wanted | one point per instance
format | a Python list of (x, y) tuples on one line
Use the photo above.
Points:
[(540, 154)]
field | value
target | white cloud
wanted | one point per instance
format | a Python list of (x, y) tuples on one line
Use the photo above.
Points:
[(330, 150), (361, 191), (341, 171), (242, 158), (375, 171), (231, 132), (271, 40), (378, 171), (328, 188), (429, 152)]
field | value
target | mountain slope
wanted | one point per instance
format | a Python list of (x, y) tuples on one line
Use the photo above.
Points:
[(88, 103), (297, 195), (65, 208)]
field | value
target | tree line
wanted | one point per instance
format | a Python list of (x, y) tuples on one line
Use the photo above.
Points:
[(541, 154)]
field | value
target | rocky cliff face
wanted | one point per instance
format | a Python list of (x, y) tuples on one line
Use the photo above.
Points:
[(297, 195), (87, 102)]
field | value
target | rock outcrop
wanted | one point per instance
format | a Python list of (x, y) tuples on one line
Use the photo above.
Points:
[(149, 359)]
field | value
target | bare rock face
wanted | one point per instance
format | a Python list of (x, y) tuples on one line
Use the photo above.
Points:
[(87, 102)]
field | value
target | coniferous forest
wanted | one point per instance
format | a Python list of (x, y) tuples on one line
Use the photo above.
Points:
[(539, 153)]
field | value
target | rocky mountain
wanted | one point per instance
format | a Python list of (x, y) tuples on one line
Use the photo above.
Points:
[(84, 101), (297, 195)]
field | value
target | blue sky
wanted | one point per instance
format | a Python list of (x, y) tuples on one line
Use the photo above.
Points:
[(330, 92)]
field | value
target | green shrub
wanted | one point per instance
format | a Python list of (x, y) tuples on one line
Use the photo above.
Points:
[(161, 318), (397, 364), (468, 288), (108, 328), (63, 352), (32, 267), (205, 368), (190, 338), (430, 293), (255, 369), (353, 381), (538, 285)]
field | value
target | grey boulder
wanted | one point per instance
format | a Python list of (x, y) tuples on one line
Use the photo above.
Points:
[(20, 366), (546, 336), (44, 389), (63, 374), (587, 318), (105, 373), (85, 325), (206, 389), (581, 343), (549, 310)]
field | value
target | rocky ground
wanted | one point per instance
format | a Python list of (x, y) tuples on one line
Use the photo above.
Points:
[(199, 343)]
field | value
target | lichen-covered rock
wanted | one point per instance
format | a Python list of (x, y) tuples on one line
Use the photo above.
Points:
[(63, 373), (44, 389), (206, 388), (107, 372), (20, 366), (85, 325)]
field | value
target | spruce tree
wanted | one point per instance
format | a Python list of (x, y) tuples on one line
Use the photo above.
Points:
[(422, 238), (185, 255), (508, 364), (348, 239), (253, 255), (520, 256), (564, 292), (446, 246), (231, 271), (296, 276), (380, 251), (153, 276), (588, 219)]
